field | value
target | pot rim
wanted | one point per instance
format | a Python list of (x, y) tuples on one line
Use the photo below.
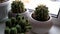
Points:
[(40, 21), (18, 13), (5, 3)]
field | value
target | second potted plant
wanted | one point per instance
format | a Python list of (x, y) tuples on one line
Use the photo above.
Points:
[(40, 20), (17, 7)]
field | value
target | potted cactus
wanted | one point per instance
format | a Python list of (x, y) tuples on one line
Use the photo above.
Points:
[(4, 8), (40, 19), (17, 7)]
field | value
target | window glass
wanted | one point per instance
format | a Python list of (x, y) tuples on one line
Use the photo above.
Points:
[(53, 5)]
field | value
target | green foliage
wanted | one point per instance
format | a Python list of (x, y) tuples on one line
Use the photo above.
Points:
[(17, 7), (41, 13), (13, 30), (7, 30)]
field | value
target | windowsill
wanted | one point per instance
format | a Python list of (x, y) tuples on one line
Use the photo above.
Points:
[(55, 29)]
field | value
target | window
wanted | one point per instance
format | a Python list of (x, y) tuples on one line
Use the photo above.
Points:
[(52, 5)]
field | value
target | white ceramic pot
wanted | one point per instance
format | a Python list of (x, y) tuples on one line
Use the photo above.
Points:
[(40, 27), (10, 14), (4, 8)]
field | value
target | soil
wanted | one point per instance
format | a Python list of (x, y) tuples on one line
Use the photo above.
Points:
[(34, 17)]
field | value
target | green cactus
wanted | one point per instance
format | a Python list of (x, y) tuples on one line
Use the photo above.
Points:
[(22, 24), (23, 17), (18, 28), (19, 25), (25, 26), (41, 13), (13, 21), (7, 30), (8, 23), (27, 22), (18, 18), (22, 33), (13, 30), (17, 7), (28, 28), (17, 15)]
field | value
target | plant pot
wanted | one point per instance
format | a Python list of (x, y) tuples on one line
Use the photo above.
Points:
[(40, 27), (4, 8), (10, 14)]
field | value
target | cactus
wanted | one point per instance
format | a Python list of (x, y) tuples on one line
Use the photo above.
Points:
[(13, 21), (17, 15), (18, 28), (18, 18), (22, 33), (8, 23), (28, 28), (17, 7), (22, 24), (13, 30), (41, 13), (27, 22), (7, 30), (19, 25)]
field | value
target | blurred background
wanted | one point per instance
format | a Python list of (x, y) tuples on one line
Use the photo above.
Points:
[(53, 5)]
